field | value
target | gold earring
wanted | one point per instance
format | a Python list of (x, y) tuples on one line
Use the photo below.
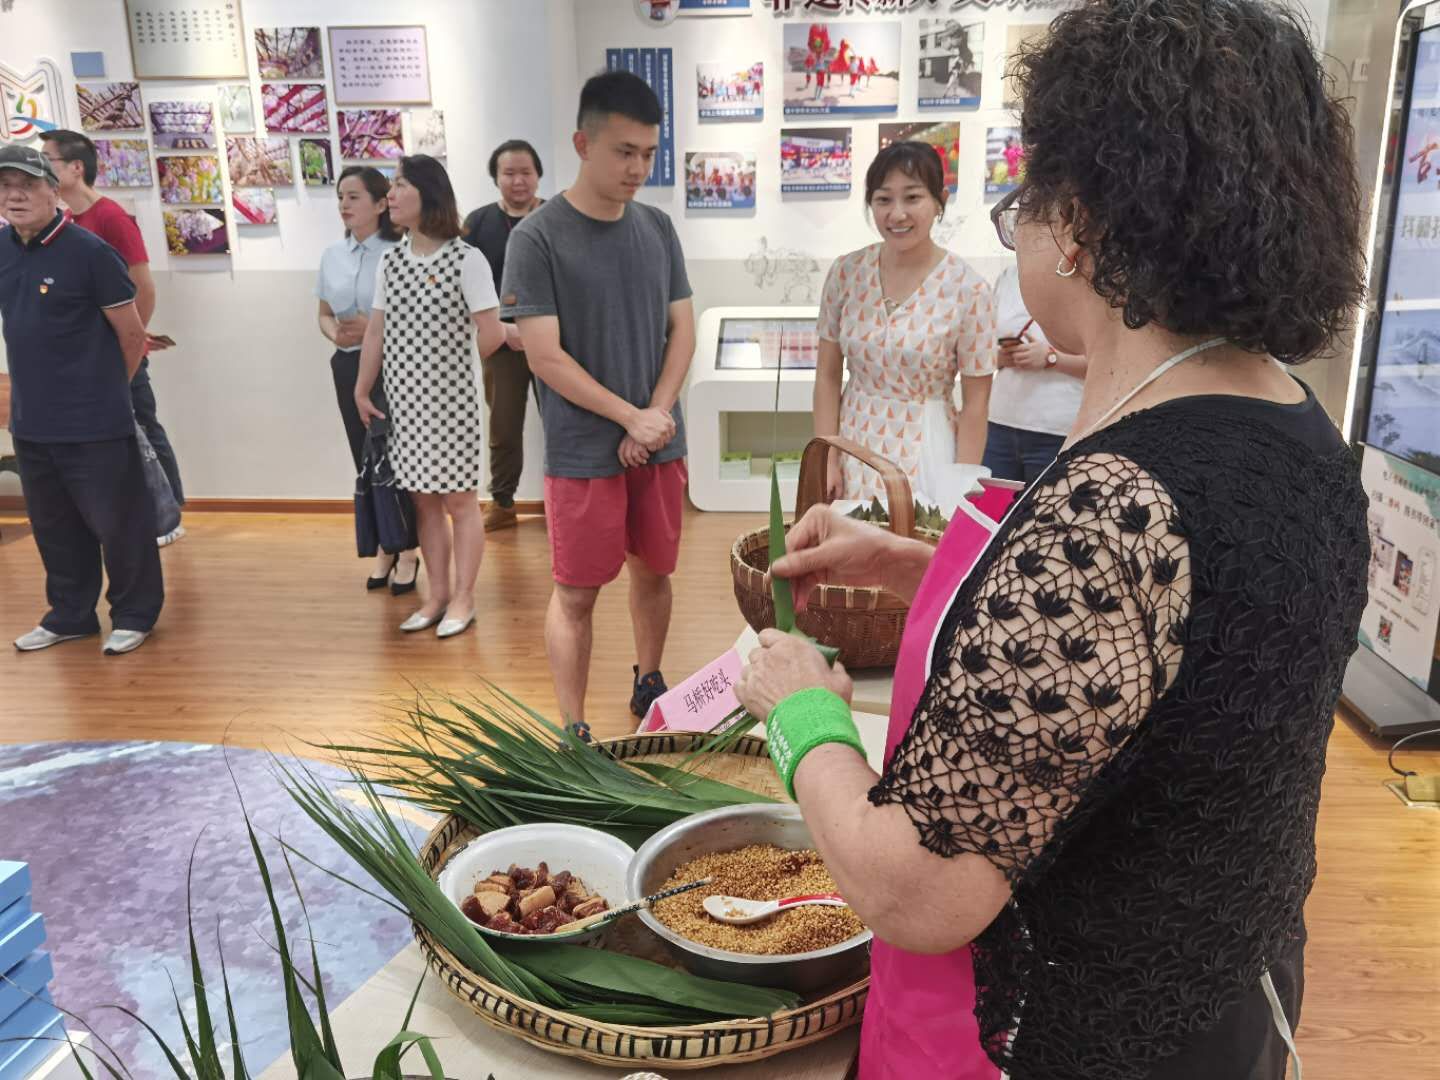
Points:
[(1065, 273)]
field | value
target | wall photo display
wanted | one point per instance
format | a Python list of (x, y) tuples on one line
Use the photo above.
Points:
[(841, 68), (295, 108), (111, 106), (196, 232), (719, 180), (254, 206), (290, 52), (259, 163), (427, 132), (380, 65), (183, 125), (815, 160), (730, 92), (317, 166), (370, 134), (952, 57), (123, 163), (657, 68), (1018, 35), (186, 39), (944, 137), (1004, 162), (237, 109), (190, 178)]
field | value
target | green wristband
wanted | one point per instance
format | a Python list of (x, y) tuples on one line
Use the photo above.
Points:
[(803, 721)]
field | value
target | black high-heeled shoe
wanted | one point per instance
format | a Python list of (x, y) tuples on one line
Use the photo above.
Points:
[(373, 583), (400, 588)]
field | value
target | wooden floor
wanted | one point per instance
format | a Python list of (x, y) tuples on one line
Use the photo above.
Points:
[(268, 637)]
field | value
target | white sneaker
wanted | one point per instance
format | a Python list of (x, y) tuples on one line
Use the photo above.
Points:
[(170, 537), (40, 638), (123, 641)]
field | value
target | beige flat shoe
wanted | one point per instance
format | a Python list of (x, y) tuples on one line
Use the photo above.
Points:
[(417, 622), (451, 627)]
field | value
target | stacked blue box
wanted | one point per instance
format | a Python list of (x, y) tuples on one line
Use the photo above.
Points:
[(29, 1021)]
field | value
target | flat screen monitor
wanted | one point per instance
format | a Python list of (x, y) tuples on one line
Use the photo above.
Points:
[(758, 344), (1402, 413)]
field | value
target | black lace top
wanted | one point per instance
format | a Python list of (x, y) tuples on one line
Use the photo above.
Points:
[(1128, 716)]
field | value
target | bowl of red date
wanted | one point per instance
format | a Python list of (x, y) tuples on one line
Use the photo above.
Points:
[(528, 882)]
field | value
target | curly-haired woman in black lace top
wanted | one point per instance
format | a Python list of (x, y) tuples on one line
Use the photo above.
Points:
[(1105, 764)]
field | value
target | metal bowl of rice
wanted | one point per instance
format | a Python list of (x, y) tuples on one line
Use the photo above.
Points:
[(725, 830)]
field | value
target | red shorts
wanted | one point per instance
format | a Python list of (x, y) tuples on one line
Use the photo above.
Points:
[(595, 523)]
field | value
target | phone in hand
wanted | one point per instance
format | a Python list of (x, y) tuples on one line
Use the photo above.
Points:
[(1009, 341)]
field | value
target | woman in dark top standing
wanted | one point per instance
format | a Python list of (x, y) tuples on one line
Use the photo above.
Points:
[(516, 170), (1105, 764)]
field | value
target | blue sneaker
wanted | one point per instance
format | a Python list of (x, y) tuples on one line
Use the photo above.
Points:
[(647, 689)]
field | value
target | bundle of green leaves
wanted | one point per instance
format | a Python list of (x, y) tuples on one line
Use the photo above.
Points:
[(599, 985)]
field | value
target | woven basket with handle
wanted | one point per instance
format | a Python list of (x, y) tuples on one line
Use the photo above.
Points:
[(864, 622), (727, 1042)]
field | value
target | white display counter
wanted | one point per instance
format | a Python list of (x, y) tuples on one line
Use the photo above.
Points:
[(729, 407)]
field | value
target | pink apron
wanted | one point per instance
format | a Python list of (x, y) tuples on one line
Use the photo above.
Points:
[(920, 1018)]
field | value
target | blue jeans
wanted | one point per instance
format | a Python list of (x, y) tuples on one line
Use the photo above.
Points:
[(1013, 454)]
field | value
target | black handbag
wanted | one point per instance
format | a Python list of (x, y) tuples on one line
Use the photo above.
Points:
[(384, 513)]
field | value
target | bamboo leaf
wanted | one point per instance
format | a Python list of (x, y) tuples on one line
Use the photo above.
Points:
[(170, 1058), (237, 1065), (207, 1063), (779, 587), (387, 1062), (701, 787), (203, 1067), (327, 1036), (631, 975)]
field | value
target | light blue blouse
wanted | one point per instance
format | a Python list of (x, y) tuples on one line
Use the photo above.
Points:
[(347, 275)]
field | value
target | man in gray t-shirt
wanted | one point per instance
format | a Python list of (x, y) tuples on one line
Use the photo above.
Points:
[(596, 283)]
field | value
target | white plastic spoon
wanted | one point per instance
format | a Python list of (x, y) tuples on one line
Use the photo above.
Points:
[(738, 912)]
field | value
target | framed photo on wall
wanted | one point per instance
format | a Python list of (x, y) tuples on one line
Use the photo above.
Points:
[(380, 65), (186, 39)]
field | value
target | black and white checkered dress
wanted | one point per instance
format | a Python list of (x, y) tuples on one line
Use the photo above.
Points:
[(429, 371)]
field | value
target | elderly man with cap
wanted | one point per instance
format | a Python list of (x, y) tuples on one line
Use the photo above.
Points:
[(73, 339)]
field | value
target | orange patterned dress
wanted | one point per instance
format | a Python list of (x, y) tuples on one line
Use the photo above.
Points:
[(899, 399)]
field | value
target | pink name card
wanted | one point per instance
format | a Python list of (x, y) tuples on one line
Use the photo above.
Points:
[(701, 702)]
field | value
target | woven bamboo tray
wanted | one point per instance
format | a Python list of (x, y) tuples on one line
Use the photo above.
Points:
[(728, 1042), (864, 622)]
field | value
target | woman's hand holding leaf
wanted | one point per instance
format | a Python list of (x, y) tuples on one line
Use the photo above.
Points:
[(827, 548), (785, 664)]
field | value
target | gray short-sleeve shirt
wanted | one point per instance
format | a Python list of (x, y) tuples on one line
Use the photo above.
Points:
[(611, 284)]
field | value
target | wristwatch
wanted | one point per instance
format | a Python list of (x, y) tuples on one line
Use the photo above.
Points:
[(1051, 359)]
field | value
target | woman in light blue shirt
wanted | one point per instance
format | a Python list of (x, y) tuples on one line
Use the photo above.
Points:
[(345, 289)]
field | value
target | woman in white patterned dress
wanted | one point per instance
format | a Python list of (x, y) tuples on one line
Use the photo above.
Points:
[(433, 294), (907, 317)]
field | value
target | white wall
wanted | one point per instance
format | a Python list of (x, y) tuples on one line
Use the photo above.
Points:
[(247, 397)]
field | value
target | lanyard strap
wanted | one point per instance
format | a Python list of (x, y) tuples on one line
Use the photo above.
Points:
[(1282, 1025), (1177, 359)]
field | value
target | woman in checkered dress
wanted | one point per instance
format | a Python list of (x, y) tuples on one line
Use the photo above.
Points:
[(432, 294)]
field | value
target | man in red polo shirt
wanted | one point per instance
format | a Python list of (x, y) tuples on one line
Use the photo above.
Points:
[(72, 156)]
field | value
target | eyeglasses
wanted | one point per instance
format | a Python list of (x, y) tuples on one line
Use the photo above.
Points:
[(1006, 216)]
